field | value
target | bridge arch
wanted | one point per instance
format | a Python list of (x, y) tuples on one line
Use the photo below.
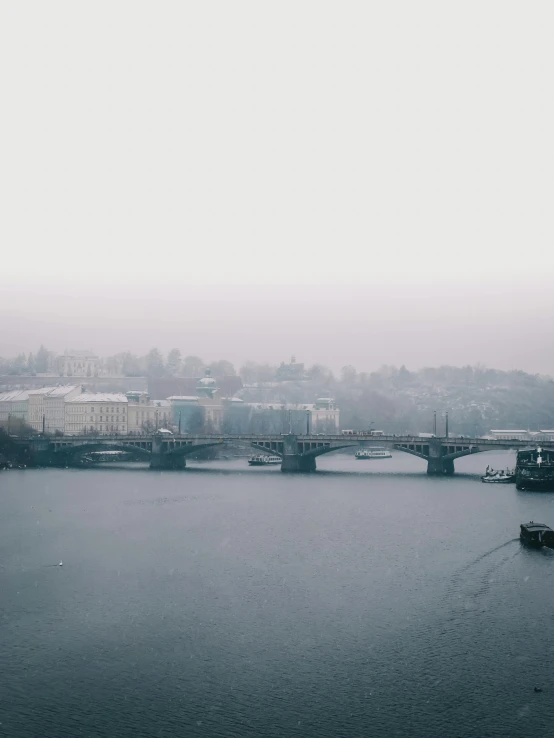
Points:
[(189, 448), (84, 448)]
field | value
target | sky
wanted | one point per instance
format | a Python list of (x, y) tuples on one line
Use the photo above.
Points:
[(359, 182)]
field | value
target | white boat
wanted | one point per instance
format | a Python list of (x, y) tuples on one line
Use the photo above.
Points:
[(498, 477), (262, 460), (373, 453)]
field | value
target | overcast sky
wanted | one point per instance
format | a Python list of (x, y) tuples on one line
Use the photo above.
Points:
[(353, 182)]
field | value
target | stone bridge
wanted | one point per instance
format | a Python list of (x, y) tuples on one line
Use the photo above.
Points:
[(297, 452)]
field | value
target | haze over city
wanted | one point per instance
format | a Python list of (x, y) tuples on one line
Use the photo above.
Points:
[(251, 181)]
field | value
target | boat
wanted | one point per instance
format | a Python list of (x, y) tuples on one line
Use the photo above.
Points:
[(498, 477), (373, 453), (263, 460), (536, 534), (535, 469)]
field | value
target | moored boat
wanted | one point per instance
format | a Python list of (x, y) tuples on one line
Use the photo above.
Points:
[(373, 453), (264, 460), (536, 534), (498, 477), (535, 469)]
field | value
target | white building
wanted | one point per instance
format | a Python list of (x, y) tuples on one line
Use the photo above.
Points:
[(54, 407), (96, 413), (13, 404), (546, 435), (36, 407), (79, 363), (144, 416), (325, 416), (510, 435)]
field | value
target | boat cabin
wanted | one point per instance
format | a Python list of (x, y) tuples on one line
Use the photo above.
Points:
[(537, 534)]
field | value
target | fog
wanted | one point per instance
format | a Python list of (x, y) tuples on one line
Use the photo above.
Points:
[(357, 184), (330, 325)]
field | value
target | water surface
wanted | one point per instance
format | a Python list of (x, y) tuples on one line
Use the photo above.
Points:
[(364, 600)]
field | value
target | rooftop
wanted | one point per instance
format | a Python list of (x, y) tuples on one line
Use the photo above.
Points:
[(510, 431), (59, 391), (41, 391), (63, 389), (187, 398), (14, 396), (100, 397)]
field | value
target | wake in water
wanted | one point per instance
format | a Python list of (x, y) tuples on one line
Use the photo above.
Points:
[(487, 553), (474, 580)]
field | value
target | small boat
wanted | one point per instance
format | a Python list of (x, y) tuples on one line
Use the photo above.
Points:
[(262, 460), (498, 477), (373, 453), (536, 534)]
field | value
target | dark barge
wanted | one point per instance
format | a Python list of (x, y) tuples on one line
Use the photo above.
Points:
[(535, 469), (536, 534)]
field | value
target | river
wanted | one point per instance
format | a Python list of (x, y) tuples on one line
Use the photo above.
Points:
[(364, 600)]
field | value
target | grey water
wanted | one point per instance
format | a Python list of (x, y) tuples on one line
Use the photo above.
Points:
[(366, 599)]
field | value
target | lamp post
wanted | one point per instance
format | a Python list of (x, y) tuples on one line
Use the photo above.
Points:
[(446, 422), (434, 422), (307, 422)]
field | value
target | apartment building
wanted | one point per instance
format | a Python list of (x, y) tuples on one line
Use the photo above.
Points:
[(94, 413)]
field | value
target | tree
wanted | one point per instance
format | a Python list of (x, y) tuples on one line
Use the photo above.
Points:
[(130, 365), (154, 363), (222, 368), (31, 365), (41, 360), (192, 366), (348, 374), (174, 362), (112, 366), (249, 372), (19, 364)]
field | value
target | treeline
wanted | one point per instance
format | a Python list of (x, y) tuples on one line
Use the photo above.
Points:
[(396, 399), (31, 363)]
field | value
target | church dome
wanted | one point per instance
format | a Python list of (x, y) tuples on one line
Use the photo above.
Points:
[(206, 385)]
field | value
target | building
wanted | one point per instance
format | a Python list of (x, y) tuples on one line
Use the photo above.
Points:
[(14, 405), (35, 412), (161, 387), (302, 418), (291, 371), (325, 416), (145, 416), (79, 363), (510, 435), (202, 412), (46, 407), (96, 413), (54, 406)]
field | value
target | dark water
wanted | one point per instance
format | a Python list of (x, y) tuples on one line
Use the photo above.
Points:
[(243, 602)]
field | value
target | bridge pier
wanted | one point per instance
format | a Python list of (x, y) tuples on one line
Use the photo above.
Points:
[(437, 466), (298, 463), (294, 461), (168, 462)]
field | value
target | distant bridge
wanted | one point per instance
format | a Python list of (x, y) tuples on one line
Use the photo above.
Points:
[(298, 453)]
